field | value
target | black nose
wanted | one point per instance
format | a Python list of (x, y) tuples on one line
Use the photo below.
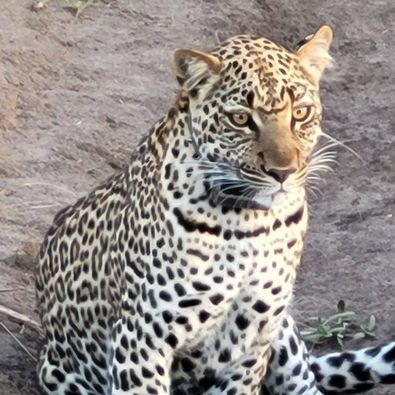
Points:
[(280, 175)]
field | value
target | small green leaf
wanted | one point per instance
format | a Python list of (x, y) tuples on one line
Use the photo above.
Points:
[(78, 6), (371, 323), (339, 316), (358, 336), (339, 326)]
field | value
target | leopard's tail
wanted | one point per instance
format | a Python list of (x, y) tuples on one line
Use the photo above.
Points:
[(355, 371)]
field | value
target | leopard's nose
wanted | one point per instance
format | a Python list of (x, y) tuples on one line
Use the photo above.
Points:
[(281, 175)]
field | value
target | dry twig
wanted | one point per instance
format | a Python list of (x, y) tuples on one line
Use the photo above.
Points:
[(21, 318), (18, 342), (11, 289)]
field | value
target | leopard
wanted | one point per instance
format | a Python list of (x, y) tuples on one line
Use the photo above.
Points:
[(175, 275)]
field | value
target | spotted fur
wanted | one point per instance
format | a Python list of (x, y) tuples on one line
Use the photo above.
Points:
[(175, 275)]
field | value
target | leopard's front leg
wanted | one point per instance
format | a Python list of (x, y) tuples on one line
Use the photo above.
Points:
[(244, 348), (234, 359), (289, 372), (244, 375), (142, 355)]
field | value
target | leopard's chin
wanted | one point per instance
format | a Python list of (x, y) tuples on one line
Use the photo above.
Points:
[(236, 202), (243, 197), (237, 198)]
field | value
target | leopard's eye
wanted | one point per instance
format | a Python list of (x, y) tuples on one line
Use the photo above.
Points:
[(239, 118), (301, 114)]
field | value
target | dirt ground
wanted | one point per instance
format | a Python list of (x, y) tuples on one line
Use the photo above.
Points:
[(77, 93)]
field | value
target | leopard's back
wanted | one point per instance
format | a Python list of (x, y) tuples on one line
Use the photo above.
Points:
[(78, 290)]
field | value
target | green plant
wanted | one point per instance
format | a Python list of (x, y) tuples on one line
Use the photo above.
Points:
[(78, 6), (339, 326)]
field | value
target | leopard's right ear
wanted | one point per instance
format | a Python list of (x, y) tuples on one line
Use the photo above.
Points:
[(313, 53), (195, 68)]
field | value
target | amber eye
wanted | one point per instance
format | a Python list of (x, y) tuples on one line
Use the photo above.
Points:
[(239, 118), (301, 114)]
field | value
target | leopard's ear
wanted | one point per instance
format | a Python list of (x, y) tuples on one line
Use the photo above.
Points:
[(194, 68), (314, 53)]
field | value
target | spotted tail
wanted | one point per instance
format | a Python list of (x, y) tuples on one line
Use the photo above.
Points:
[(354, 372)]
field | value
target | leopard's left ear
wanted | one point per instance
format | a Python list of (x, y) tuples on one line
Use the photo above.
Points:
[(195, 68), (314, 53)]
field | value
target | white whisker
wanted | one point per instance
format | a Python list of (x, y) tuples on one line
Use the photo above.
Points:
[(319, 168), (231, 187), (323, 149), (344, 145), (312, 192)]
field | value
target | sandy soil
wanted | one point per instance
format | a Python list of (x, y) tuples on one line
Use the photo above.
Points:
[(76, 94)]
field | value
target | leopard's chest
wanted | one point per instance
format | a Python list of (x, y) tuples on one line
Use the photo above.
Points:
[(199, 273), (195, 275), (238, 260)]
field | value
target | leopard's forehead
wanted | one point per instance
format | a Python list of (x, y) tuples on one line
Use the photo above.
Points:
[(262, 66), (257, 53)]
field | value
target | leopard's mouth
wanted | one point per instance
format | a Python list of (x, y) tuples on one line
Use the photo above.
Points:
[(239, 188)]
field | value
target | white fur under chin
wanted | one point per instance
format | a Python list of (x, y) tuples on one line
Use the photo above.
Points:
[(280, 198)]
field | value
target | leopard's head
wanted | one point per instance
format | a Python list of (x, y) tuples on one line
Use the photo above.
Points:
[(254, 115)]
